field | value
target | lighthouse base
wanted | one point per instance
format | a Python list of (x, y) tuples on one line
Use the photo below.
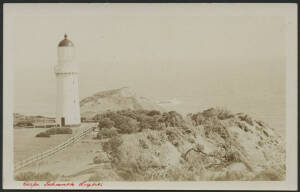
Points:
[(68, 121)]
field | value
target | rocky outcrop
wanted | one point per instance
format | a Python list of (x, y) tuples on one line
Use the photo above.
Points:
[(211, 145)]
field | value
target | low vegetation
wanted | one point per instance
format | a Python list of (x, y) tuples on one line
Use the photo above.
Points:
[(54, 131), (107, 133), (111, 147), (32, 176), (43, 134), (131, 121), (62, 130), (136, 140)]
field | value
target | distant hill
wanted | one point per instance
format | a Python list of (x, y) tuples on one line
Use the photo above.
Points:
[(114, 100)]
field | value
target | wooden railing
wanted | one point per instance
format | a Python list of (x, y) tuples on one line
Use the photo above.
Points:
[(25, 162)]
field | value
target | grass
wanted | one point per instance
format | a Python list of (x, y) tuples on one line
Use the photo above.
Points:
[(32, 176), (26, 144)]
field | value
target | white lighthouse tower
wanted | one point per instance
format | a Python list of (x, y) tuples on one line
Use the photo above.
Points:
[(67, 100)]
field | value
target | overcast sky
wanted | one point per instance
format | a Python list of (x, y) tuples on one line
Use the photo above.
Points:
[(157, 51)]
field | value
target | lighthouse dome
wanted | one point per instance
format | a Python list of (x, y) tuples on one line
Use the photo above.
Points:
[(66, 42)]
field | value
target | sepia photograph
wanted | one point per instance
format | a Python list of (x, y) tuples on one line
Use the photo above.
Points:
[(150, 96)]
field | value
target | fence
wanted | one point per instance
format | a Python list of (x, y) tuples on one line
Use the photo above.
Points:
[(49, 125), (48, 153)]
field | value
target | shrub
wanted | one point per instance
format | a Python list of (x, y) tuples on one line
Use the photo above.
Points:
[(144, 125), (224, 114), (174, 119), (119, 120), (112, 147), (51, 131), (129, 126), (260, 123), (265, 133), (143, 144), (133, 114), (206, 115), (214, 126), (174, 137), (247, 119), (32, 176), (242, 126), (43, 134), (62, 130), (106, 123), (197, 119), (154, 124), (130, 121), (150, 123), (125, 128), (211, 112), (233, 157), (107, 133), (153, 112), (157, 139), (54, 131)]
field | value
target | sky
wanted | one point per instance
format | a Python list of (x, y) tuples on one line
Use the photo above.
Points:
[(156, 51)]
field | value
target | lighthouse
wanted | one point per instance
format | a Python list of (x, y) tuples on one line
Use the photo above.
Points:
[(67, 98)]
